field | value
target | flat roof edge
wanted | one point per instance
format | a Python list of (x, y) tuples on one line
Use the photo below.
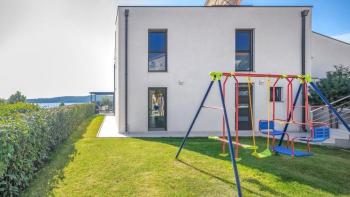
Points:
[(329, 37), (241, 6)]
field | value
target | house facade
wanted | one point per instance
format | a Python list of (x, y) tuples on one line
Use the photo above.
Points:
[(164, 56), (326, 53)]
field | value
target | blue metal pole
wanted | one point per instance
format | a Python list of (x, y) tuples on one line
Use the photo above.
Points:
[(290, 114), (232, 153), (194, 119), (325, 100)]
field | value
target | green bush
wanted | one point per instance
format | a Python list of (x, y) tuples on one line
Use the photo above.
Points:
[(26, 142), (10, 109)]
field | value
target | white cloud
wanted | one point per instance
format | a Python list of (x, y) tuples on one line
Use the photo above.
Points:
[(343, 37)]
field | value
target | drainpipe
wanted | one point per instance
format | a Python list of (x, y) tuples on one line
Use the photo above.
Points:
[(114, 89), (304, 13), (126, 69)]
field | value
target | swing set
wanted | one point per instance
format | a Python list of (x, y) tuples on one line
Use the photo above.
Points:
[(318, 131)]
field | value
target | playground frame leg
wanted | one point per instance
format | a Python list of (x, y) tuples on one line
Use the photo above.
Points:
[(194, 119), (232, 152), (234, 165)]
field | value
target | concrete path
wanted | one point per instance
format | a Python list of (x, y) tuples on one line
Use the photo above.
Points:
[(109, 129)]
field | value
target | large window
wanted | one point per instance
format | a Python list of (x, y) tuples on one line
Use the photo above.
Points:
[(278, 94), (244, 50), (157, 118), (157, 50)]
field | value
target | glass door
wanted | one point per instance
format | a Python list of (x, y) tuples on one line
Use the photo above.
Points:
[(244, 119), (157, 117)]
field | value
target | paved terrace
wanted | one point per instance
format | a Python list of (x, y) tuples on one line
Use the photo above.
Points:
[(339, 137)]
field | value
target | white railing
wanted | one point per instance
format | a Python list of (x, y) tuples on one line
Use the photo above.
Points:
[(323, 114)]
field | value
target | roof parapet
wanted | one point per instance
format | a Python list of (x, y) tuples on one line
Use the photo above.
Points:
[(222, 2)]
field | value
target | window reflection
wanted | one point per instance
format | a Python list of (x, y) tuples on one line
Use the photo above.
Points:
[(156, 61), (157, 50), (244, 50), (157, 108), (243, 62)]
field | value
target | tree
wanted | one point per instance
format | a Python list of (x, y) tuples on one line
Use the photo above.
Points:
[(61, 104), (106, 101), (335, 86), (17, 97)]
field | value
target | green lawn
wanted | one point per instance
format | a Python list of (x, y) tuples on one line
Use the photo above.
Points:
[(89, 166)]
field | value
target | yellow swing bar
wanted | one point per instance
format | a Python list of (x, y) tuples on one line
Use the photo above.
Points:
[(251, 113), (267, 151)]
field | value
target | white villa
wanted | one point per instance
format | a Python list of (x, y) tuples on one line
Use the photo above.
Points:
[(164, 56)]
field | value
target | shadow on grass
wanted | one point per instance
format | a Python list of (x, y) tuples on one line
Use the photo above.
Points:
[(51, 174), (326, 170), (224, 180)]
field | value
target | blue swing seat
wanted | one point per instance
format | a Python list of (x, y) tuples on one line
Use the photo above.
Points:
[(320, 134), (273, 132), (288, 151), (264, 128)]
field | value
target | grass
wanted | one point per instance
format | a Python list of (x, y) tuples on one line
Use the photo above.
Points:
[(89, 166)]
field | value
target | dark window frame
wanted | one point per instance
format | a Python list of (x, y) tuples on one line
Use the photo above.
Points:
[(278, 98), (166, 48), (251, 51), (165, 108)]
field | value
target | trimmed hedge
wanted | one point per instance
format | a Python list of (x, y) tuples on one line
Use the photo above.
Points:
[(26, 142), (10, 109)]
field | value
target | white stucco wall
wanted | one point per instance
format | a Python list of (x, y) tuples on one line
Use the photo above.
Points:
[(327, 52), (200, 40)]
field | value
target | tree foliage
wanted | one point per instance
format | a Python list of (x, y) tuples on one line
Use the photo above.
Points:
[(107, 101), (17, 97), (335, 86)]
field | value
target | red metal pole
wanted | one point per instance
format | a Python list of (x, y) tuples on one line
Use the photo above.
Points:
[(274, 98), (291, 109), (307, 109), (288, 98)]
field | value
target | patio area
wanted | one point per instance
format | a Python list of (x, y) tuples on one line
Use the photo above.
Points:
[(109, 129)]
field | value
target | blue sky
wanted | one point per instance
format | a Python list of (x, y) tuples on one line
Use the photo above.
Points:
[(330, 17)]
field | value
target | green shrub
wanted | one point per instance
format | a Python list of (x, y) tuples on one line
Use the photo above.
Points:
[(10, 109), (26, 142)]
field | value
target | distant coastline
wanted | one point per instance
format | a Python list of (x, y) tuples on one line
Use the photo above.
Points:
[(50, 105), (62, 99)]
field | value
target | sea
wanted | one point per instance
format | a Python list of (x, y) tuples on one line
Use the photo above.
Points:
[(51, 105)]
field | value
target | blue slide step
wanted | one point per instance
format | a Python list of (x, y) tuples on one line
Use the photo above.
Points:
[(288, 151)]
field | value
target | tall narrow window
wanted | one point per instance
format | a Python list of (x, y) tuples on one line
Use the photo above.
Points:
[(157, 50), (278, 94), (157, 102), (244, 50)]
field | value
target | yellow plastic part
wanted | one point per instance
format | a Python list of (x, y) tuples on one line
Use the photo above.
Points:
[(215, 75), (284, 76), (266, 152), (251, 113), (308, 78)]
